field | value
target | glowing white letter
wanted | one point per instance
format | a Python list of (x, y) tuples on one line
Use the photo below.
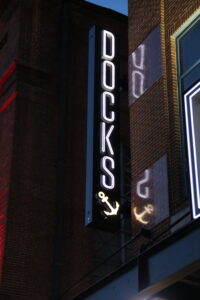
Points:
[(107, 163), (108, 69), (107, 96), (106, 35), (104, 138)]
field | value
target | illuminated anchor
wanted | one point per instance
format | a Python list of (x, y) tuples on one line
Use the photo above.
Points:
[(104, 199), (147, 210)]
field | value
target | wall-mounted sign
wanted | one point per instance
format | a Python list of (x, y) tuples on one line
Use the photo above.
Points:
[(102, 174), (145, 65), (192, 119)]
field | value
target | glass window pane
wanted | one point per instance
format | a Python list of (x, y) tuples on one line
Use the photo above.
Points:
[(190, 47), (191, 78)]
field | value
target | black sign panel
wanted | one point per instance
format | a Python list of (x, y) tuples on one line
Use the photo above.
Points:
[(102, 175)]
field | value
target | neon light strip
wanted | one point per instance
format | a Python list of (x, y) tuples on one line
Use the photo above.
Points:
[(189, 154), (8, 73), (2, 81), (8, 101), (192, 151), (194, 145)]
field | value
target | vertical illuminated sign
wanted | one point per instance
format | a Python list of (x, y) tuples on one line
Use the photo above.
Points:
[(192, 120), (102, 174)]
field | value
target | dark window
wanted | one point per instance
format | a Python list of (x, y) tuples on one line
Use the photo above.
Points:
[(188, 59), (188, 45), (191, 77)]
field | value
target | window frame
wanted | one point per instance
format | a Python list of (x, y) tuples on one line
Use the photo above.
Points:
[(184, 30)]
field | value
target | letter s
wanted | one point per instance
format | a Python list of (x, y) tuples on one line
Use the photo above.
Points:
[(107, 181)]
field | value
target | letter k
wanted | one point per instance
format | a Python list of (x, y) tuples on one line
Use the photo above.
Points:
[(105, 138)]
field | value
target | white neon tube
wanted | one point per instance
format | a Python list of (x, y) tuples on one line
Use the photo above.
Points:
[(192, 150), (107, 170), (105, 138), (107, 35), (111, 85), (107, 97)]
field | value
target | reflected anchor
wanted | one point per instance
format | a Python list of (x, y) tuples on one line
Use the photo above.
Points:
[(147, 210)]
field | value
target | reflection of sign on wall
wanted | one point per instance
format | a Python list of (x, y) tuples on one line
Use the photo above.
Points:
[(102, 177), (150, 194), (143, 192), (192, 120), (147, 210), (138, 75), (145, 65)]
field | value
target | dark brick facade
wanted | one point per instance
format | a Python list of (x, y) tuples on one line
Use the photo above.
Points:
[(155, 116), (43, 134), (48, 251), (170, 24)]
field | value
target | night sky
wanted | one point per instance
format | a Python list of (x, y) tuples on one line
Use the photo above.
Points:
[(118, 5)]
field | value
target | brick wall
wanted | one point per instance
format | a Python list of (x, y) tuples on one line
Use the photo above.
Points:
[(31, 263), (173, 15), (27, 267), (144, 15), (154, 117)]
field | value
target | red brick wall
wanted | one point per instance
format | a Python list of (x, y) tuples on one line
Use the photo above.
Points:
[(8, 51), (7, 118), (29, 251), (32, 131), (27, 268)]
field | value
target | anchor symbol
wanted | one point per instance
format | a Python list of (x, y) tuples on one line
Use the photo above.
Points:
[(104, 199), (147, 210)]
